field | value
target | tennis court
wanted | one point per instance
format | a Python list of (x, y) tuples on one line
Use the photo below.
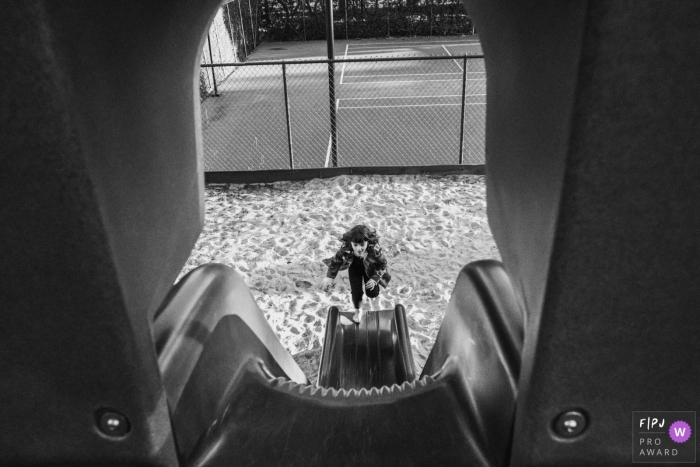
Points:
[(398, 112)]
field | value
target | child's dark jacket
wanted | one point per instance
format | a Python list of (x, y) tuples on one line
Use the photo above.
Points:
[(374, 262)]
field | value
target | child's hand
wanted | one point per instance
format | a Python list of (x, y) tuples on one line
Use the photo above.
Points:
[(328, 284), (370, 284)]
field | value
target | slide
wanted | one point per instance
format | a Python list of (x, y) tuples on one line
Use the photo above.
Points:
[(374, 353), (237, 398)]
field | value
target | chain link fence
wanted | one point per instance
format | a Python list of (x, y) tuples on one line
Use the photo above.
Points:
[(232, 37), (379, 113), (284, 20)]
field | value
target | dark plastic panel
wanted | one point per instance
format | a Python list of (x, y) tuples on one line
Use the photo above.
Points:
[(192, 310), (483, 329), (270, 421), (593, 184), (208, 326), (237, 406), (592, 170), (100, 205)]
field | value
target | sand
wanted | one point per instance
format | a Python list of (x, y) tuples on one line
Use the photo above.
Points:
[(276, 235)]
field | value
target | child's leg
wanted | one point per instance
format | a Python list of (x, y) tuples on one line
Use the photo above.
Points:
[(355, 274), (356, 287), (372, 294)]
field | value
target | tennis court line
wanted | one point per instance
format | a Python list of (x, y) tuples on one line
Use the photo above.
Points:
[(436, 46), (406, 74), (425, 74), (412, 51), (448, 53), (408, 105), (410, 98), (344, 63), (413, 81), (330, 137), (436, 43), (328, 153), (407, 97)]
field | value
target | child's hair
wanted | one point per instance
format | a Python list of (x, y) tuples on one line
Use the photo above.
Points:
[(359, 234)]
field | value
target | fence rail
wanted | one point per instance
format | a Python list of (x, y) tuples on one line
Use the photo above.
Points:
[(409, 111)]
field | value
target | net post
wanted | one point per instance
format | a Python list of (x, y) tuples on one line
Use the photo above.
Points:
[(464, 96)]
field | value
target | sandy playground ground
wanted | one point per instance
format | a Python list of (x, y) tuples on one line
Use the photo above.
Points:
[(276, 236)]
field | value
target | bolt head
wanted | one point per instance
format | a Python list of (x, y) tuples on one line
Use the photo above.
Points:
[(113, 424), (570, 424)]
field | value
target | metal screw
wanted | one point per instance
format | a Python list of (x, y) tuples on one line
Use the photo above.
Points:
[(570, 424), (113, 423)]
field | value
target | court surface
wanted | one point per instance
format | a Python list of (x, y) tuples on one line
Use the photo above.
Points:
[(388, 113)]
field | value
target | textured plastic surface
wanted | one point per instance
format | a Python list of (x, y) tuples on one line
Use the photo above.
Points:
[(459, 413), (592, 144), (374, 353), (208, 326), (191, 311), (483, 329), (100, 204), (271, 421), (592, 192)]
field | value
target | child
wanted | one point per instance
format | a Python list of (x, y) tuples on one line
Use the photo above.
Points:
[(362, 256)]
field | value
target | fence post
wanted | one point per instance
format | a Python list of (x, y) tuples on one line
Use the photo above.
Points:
[(346, 19), (461, 126), (286, 107), (211, 59), (330, 41)]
